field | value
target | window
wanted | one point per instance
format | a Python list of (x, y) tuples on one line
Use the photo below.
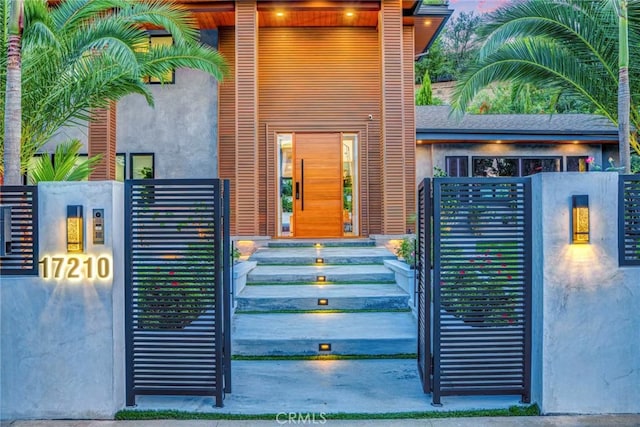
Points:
[(515, 166), (577, 164), (121, 167), (142, 166), (27, 178), (457, 166), (159, 41), (496, 167)]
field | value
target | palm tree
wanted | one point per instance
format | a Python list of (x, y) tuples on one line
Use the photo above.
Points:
[(566, 45), (624, 94), (84, 54), (13, 91)]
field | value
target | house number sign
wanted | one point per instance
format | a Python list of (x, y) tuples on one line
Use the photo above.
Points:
[(75, 267)]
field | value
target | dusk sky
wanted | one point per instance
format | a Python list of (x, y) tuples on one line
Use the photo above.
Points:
[(478, 6)]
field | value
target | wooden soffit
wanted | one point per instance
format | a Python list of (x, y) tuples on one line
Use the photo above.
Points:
[(428, 21)]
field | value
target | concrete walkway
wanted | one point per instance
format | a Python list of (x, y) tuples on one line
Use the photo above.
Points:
[(549, 421)]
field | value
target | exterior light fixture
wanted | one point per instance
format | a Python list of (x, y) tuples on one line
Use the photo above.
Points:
[(580, 219), (349, 14), (317, 245), (75, 229), (321, 278), (319, 260), (323, 301), (325, 346)]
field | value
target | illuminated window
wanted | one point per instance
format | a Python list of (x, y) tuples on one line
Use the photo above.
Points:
[(121, 167), (515, 166), (154, 42), (142, 166)]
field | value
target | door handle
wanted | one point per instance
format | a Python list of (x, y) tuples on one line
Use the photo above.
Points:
[(297, 190), (302, 184)]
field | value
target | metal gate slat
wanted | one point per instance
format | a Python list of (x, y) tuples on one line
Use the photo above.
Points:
[(174, 278), (481, 285)]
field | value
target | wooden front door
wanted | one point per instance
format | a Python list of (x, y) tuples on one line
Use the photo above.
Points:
[(317, 185)]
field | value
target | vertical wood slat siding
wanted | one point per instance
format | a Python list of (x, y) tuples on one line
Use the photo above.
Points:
[(392, 150), (227, 119), (321, 80), (102, 139), (247, 155), (409, 125)]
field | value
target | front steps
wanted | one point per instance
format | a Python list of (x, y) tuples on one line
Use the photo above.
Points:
[(266, 298), (294, 306)]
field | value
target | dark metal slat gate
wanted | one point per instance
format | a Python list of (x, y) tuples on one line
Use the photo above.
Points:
[(423, 283), (177, 288), (481, 287)]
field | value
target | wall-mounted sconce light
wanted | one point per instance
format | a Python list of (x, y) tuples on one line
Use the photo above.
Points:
[(323, 301), (580, 219), (325, 346), (5, 231), (75, 229)]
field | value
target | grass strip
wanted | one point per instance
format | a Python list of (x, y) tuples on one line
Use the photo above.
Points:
[(353, 310), (328, 357), (513, 411)]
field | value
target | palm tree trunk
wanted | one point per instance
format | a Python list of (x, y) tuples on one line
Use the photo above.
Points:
[(13, 98), (624, 92)]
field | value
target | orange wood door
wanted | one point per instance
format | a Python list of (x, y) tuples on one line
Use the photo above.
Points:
[(318, 185)]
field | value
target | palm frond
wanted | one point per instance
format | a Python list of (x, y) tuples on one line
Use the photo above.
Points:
[(69, 166), (537, 61), (162, 59)]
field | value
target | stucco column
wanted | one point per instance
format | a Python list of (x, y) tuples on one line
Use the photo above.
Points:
[(102, 139), (392, 135), (246, 129)]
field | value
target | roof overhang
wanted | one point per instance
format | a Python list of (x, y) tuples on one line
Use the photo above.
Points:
[(461, 136), (428, 20)]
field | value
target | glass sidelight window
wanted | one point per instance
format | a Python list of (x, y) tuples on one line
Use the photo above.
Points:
[(285, 169), (349, 184)]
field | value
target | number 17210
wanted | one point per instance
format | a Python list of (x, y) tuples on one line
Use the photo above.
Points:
[(73, 267)]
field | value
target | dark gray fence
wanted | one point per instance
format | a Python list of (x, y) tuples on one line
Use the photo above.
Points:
[(629, 220), (177, 288), (481, 287), (22, 258), (423, 283)]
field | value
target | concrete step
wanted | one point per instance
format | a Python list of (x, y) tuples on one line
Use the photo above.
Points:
[(325, 255), (300, 243), (287, 334), (306, 297), (314, 274)]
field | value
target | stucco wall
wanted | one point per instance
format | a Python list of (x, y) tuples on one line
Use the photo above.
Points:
[(586, 322), (181, 130), (62, 347)]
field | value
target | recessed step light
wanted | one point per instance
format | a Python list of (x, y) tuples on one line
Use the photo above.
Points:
[(324, 346), (323, 301)]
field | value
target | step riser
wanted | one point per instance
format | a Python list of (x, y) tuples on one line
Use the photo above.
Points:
[(310, 347), (282, 304), (333, 260), (313, 277)]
